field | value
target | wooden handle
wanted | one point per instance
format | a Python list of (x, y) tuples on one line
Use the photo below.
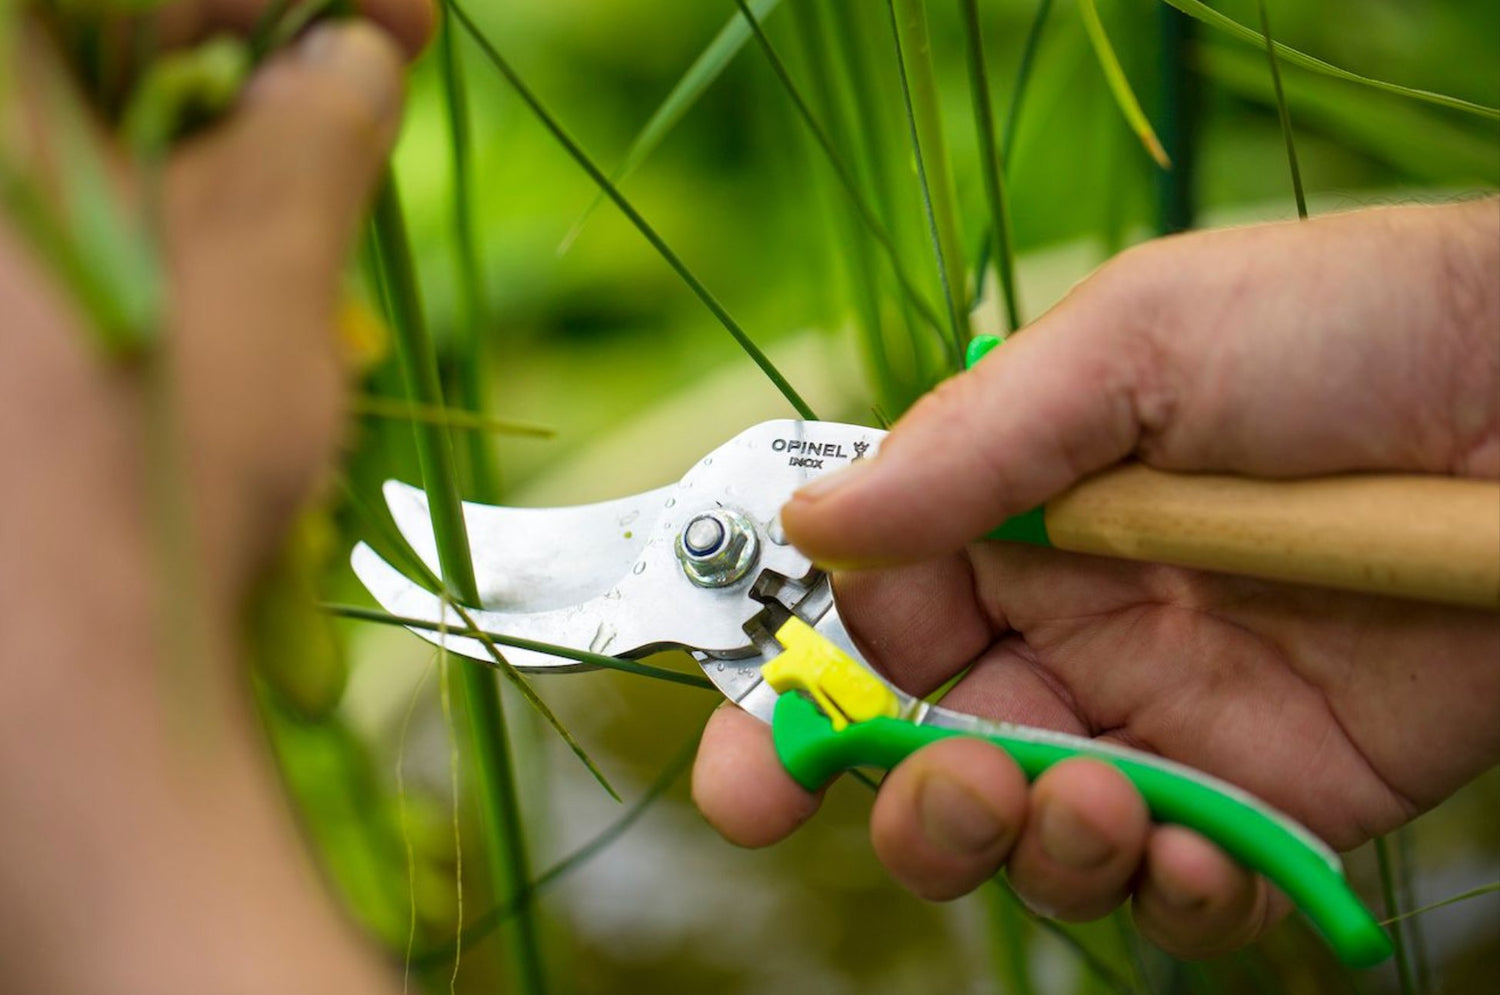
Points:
[(1423, 537)]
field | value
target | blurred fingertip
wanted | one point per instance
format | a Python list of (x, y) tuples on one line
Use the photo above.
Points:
[(411, 22), (740, 786)]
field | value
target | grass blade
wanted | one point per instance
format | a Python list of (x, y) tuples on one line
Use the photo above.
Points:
[(863, 274), (699, 76), (567, 653), (445, 687), (842, 171), (1198, 10), (1010, 953), (1281, 110), (1463, 896), (845, 39), (1406, 891), (1008, 134), (483, 473), (1394, 915), (1023, 79), (672, 259), (388, 407), (1119, 86), (1426, 147), (990, 168), (1180, 109), (392, 543), (505, 840), (102, 249), (919, 94), (486, 923), (1095, 964)]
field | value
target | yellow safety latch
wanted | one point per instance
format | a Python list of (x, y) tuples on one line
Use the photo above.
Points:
[(845, 691)]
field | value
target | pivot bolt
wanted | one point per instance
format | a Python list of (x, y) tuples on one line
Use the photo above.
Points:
[(717, 548)]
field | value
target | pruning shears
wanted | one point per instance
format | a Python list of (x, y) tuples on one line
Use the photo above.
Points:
[(702, 565)]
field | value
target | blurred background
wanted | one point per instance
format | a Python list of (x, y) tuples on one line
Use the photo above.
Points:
[(583, 330)]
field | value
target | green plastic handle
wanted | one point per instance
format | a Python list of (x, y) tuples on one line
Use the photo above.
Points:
[(1253, 833)]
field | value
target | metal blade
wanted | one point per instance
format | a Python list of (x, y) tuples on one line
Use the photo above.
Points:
[(606, 577), (519, 553)]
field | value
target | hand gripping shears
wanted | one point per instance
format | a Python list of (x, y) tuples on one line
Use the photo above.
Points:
[(702, 565)]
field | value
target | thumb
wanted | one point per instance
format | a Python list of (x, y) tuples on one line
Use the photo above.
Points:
[(1352, 342), (1060, 401), (260, 215), (273, 197)]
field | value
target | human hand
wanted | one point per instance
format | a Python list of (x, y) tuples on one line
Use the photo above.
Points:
[(142, 810), (1360, 342)]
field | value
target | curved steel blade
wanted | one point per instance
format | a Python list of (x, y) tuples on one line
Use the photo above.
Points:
[(649, 603), (518, 553)]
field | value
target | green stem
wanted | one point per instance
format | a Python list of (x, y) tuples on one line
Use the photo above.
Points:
[(846, 35), (1011, 954), (1481, 891), (919, 91), (588, 165), (990, 169), (1179, 119), (841, 170), (505, 839), (1394, 915), (1201, 11), (1406, 864), (374, 406), (551, 649), (483, 470), (1282, 112), (861, 266), (487, 922), (1023, 79)]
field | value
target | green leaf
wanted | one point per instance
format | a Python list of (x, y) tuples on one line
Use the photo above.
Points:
[(1203, 12), (566, 652), (571, 146), (1463, 896), (1119, 85), (990, 166), (919, 92), (1281, 110), (699, 76), (97, 245), (386, 407), (1429, 147), (486, 923), (862, 208)]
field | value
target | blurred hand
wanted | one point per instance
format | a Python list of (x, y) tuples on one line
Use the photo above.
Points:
[(142, 814), (1368, 341)]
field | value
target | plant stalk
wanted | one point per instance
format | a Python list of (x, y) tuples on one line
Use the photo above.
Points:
[(990, 167), (919, 90), (576, 152), (505, 842), (1282, 112)]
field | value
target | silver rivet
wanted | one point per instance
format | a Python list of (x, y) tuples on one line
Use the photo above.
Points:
[(717, 548), (703, 536)]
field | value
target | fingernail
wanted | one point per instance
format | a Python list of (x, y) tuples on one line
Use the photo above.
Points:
[(822, 486), (360, 53), (1069, 840), (955, 819), (1037, 908)]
